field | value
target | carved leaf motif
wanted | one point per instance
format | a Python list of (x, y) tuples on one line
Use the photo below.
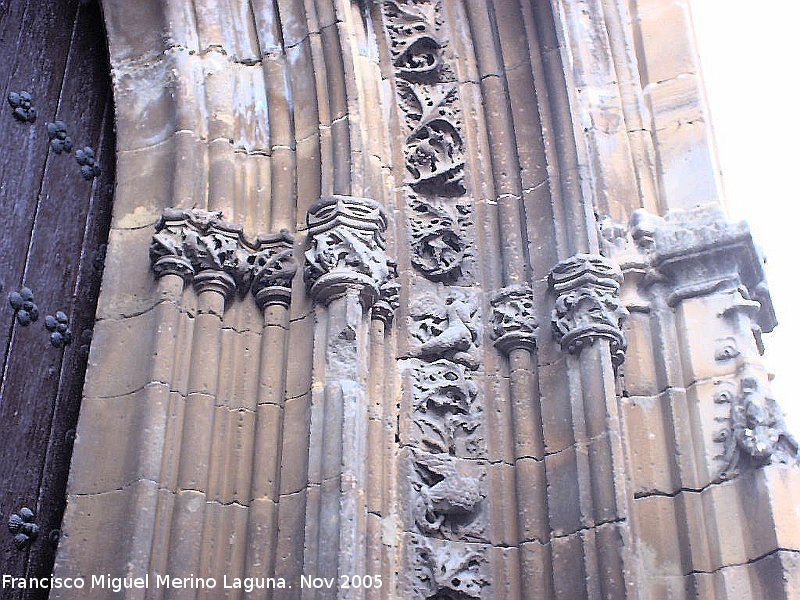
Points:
[(437, 241), (447, 415), (447, 571)]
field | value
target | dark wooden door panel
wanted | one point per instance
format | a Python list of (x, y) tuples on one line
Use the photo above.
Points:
[(32, 61), (52, 242)]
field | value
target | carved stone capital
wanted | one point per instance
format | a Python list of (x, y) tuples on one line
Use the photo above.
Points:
[(214, 255), (348, 250), (587, 306), (198, 245), (388, 302), (274, 267), (513, 323)]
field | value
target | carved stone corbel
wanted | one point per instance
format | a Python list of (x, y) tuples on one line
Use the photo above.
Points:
[(348, 250), (513, 323), (587, 306)]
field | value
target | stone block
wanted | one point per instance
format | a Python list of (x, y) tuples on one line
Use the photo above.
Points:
[(145, 103), (667, 45), (128, 432), (291, 536), (295, 454), (113, 369), (650, 444), (659, 531)]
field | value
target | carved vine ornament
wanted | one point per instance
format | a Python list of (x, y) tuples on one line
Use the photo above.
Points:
[(446, 478), (202, 248)]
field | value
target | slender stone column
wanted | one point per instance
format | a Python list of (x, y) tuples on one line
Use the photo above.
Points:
[(514, 329), (587, 322), (274, 268), (345, 269), (201, 243)]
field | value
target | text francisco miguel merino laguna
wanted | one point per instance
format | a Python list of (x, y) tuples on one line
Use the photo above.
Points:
[(248, 584)]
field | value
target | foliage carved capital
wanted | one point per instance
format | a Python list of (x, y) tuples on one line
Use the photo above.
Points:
[(348, 249), (587, 306)]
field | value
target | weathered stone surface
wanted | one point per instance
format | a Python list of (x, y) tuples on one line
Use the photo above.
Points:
[(412, 418)]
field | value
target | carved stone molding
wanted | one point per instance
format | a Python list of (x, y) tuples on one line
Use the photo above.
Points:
[(753, 433), (202, 248), (348, 250), (587, 306), (513, 322)]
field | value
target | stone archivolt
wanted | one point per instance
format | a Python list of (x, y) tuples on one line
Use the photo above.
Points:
[(202, 248), (587, 306), (447, 490), (434, 144)]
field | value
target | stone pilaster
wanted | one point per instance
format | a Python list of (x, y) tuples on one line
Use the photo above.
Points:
[(723, 441)]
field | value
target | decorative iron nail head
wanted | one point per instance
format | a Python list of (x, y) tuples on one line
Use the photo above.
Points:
[(89, 167), (58, 325), (59, 140), (21, 102), (24, 307), (21, 525)]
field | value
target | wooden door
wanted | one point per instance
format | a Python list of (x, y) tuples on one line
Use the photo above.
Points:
[(54, 221)]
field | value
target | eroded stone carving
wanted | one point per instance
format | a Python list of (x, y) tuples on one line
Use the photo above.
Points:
[(448, 493), (273, 268), (201, 247), (415, 44), (348, 249), (438, 242), (434, 146), (447, 412), (587, 306), (754, 433), (446, 329), (513, 322), (446, 571), (388, 299)]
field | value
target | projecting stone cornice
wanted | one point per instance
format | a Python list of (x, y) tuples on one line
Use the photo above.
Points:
[(202, 248), (699, 252)]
